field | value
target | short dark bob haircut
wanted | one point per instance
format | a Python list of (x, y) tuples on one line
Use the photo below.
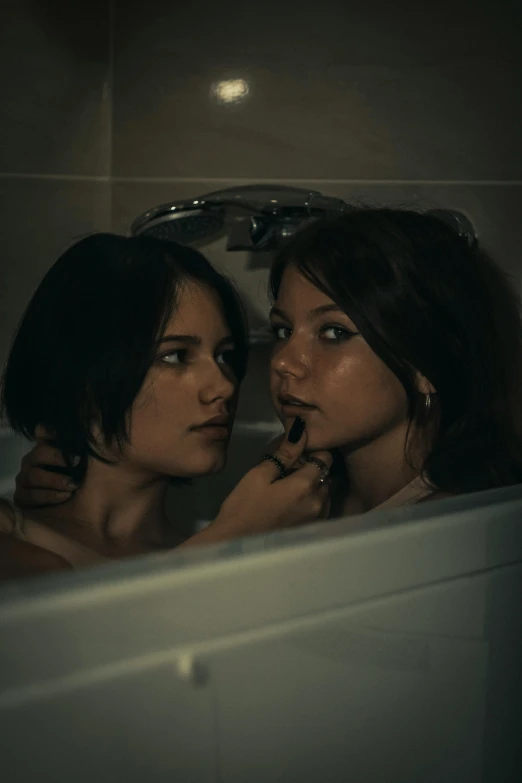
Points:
[(425, 300), (88, 336)]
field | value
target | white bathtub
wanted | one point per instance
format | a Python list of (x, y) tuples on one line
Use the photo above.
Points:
[(383, 650)]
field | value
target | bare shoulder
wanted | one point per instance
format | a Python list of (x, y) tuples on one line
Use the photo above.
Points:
[(20, 558)]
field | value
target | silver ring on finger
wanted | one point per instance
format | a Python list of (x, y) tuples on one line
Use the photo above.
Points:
[(321, 466), (277, 462)]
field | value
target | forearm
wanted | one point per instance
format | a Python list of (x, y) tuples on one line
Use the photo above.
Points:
[(217, 531)]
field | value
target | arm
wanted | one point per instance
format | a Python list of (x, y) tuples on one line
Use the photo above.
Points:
[(42, 486), (263, 502), (260, 503)]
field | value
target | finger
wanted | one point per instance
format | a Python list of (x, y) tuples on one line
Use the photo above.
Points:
[(321, 502), (39, 497), (40, 478), (41, 433), (44, 454), (325, 456), (274, 443), (315, 471), (290, 450)]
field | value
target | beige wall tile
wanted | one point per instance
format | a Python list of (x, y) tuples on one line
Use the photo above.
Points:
[(55, 108), (337, 90)]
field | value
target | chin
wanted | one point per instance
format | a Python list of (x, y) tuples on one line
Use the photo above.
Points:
[(319, 442), (205, 465), (215, 466)]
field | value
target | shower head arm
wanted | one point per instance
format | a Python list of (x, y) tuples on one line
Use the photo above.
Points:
[(269, 214)]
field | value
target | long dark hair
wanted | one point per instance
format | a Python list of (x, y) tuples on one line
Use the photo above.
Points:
[(425, 300), (88, 336)]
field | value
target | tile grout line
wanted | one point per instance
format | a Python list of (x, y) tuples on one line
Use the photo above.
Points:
[(256, 180), (59, 177), (110, 124), (275, 181)]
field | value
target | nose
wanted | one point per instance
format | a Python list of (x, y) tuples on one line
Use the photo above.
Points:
[(217, 384), (290, 358)]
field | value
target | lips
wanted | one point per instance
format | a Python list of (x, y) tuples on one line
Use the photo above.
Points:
[(289, 401), (217, 428), (216, 421)]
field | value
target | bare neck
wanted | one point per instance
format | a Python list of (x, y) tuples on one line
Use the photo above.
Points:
[(376, 471), (116, 506)]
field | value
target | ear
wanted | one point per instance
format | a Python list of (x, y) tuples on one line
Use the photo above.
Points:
[(423, 385)]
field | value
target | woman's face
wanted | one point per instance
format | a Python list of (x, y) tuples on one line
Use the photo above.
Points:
[(323, 370), (182, 418)]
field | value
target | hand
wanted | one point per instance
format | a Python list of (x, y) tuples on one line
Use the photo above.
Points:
[(38, 486), (274, 444), (263, 502)]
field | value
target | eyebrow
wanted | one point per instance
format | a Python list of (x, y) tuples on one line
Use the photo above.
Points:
[(190, 339), (328, 308), (186, 339)]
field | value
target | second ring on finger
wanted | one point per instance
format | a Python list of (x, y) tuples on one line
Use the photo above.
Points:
[(321, 466)]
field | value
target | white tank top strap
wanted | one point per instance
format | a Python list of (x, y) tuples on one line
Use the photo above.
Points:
[(412, 493)]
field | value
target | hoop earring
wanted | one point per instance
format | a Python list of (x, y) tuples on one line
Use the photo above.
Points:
[(427, 402)]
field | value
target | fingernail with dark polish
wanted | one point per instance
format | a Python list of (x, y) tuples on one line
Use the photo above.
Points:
[(296, 430)]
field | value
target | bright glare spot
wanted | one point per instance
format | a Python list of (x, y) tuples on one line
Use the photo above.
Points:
[(230, 90)]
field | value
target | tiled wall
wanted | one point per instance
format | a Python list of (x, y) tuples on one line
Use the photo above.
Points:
[(110, 107), (398, 102), (54, 139)]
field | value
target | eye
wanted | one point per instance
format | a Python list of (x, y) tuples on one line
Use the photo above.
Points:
[(175, 357), (281, 332), (226, 357), (336, 333)]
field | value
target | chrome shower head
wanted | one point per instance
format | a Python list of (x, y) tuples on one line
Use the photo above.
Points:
[(182, 222), (257, 217), (458, 222)]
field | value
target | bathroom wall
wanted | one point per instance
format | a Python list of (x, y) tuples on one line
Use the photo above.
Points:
[(382, 101), (111, 107), (386, 102), (54, 139)]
